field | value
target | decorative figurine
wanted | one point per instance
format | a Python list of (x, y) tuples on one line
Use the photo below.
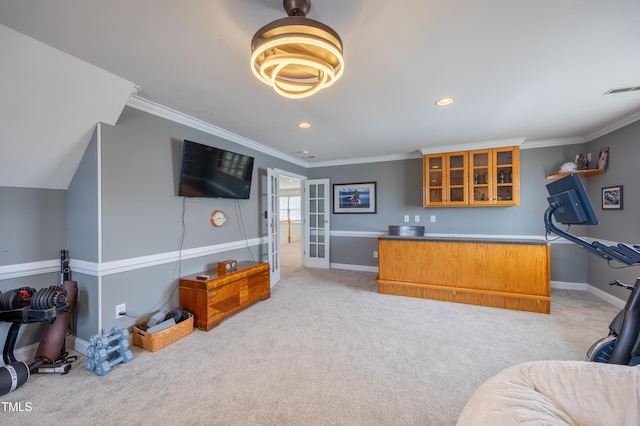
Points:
[(582, 162)]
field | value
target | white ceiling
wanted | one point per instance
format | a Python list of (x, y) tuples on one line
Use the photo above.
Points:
[(530, 69)]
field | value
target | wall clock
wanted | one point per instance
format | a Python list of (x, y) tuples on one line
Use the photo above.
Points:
[(217, 218)]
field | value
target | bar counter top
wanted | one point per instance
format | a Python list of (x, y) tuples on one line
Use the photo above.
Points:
[(465, 239)]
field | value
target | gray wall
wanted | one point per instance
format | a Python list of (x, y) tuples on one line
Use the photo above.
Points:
[(33, 224), (616, 225), (141, 212), (82, 237), (82, 206), (399, 193), (142, 216), (33, 228)]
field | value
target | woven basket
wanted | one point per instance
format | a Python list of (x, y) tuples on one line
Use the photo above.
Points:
[(158, 340)]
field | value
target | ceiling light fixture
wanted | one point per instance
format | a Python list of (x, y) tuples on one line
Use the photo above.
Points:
[(445, 101), (304, 125), (296, 55)]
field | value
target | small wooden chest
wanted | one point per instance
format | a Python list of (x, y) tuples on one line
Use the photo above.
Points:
[(212, 297)]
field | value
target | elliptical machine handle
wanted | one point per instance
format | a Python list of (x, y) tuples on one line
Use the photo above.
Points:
[(621, 284), (621, 353)]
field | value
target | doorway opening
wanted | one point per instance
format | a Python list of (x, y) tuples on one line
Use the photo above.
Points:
[(291, 225)]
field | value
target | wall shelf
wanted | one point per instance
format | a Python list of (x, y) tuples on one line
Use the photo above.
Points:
[(582, 173)]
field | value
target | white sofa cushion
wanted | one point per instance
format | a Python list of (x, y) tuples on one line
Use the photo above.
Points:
[(557, 393)]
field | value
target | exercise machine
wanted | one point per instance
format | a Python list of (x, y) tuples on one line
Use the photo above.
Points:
[(51, 355), (622, 345), (52, 305), (569, 204)]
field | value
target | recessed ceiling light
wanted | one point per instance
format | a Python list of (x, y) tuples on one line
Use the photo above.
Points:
[(304, 125), (445, 101), (304, 152)]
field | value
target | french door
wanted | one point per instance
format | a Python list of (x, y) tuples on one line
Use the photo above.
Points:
[(316, 223), (273, 224)]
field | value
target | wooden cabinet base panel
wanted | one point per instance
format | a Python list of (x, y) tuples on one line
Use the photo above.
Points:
[(520, 302)]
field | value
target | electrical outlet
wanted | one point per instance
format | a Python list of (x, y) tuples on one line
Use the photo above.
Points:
[(375, 254), (121, 308), (433, 218), (406, 218), (416, 218)]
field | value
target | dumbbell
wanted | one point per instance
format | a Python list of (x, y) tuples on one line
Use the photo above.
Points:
[(94, 339), (47, 298), (90, 364), (16, 299), (106, 341), (92, 350), (102, 368), (103, 354)]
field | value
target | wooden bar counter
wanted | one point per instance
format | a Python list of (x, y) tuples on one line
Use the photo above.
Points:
[(510, 274), (217, 297)]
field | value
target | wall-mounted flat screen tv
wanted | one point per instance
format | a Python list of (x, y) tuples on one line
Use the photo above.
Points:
[(206, 171)]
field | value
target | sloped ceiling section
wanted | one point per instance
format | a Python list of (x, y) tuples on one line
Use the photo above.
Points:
[(50, 103)]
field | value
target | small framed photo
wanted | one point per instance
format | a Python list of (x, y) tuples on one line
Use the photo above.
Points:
[(612, 198), (354, 198), (603, 158)]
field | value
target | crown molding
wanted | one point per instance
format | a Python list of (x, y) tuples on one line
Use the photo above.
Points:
[(552, 142), (162, 111), (612, 127), (363, 160), (158, 110), (473, 146)]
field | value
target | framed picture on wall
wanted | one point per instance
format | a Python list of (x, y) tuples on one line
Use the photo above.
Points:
[(612, 198), (354, 198), (603, 158)]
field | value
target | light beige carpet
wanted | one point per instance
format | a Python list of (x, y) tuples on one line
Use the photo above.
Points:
[(325, 349)]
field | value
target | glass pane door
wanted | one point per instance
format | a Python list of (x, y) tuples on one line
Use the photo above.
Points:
[(273, 225), (457, 173), (435, 185), (504, 175), (480, 177), (317, 229)]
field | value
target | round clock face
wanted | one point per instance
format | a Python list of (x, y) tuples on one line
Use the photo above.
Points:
[(218, 218)]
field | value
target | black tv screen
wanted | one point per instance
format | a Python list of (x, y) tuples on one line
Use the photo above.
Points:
[(206, 171), (572, 203)]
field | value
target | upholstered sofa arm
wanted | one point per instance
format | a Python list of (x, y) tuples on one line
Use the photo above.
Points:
[(557, 393)]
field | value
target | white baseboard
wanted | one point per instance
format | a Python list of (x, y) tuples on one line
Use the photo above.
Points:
[(28, 353), (361, 268), (77, 344), (606, 297), (591, 289), (25, 354), (564, 285)]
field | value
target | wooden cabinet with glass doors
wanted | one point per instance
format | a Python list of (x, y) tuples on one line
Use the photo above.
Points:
[(495, 177), (486, 177), (445, 179)]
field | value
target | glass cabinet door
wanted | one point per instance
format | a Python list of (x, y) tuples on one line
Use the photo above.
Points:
[(506, 172), (481, 176), (457, 178), (434, 180)]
